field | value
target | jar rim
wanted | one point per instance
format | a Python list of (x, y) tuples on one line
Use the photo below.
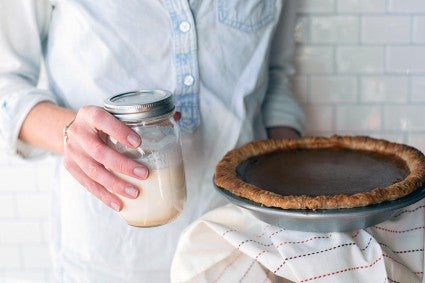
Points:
[(141, 104)]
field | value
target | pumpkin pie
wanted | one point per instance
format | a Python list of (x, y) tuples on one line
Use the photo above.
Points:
[(321, 172)]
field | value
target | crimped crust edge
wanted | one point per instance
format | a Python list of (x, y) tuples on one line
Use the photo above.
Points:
[(225, 173)]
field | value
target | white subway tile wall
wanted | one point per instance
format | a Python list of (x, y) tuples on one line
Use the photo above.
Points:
[(360, 71), (361, 68), (419, 29)]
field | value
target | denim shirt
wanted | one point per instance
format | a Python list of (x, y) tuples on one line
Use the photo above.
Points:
[(226, 61), (237, 52)]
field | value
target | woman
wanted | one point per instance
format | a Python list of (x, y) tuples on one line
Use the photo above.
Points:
[(227, 64)]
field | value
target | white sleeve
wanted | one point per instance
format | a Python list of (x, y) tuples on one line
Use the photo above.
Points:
[(23, 35), (280, 107)]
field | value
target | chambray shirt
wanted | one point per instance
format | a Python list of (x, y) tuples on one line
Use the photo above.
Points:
[(226, 61)]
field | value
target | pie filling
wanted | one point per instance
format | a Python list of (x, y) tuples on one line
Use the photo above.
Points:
[(321, 172)]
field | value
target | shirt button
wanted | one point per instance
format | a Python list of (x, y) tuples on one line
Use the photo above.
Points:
[(184, 26), (188, 80)]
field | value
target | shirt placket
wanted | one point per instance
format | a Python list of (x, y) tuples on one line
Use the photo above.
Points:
[(186, 63)]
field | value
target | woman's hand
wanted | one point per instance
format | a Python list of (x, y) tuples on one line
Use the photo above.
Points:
[(282, 133), (86, 156)]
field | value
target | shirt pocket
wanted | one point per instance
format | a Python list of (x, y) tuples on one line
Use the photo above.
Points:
[(246, 15)]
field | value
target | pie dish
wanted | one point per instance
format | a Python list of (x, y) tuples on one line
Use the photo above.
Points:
[(314, 173)]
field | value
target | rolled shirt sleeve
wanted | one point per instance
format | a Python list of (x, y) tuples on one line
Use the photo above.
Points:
[(23, 33), (280, 107)]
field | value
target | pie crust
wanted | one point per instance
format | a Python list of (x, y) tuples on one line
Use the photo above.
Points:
[(226, 176)]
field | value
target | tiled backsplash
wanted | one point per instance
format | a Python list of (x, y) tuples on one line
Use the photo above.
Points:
[(360, 70)]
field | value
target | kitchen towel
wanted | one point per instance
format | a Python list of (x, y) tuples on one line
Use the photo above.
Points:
[(228, 244)]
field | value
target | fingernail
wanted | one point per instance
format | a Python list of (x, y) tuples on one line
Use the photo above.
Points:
[(115, 206), (132, 191), (133, 139), (142, 172)]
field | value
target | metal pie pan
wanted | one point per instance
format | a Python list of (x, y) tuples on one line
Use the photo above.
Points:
[(325, 220)]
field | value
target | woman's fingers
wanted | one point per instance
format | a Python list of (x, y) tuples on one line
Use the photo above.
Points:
[(98, 173), (84, 138), (93, 187), (90, 160), (177, 116), (101, 120), (103, 154)]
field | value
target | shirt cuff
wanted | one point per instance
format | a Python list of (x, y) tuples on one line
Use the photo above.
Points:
[(14, 108), (281, 109)]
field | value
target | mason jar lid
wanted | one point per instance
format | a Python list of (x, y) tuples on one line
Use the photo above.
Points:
[(139, 105)]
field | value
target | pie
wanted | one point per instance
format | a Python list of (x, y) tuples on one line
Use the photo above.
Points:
[(321, 172)]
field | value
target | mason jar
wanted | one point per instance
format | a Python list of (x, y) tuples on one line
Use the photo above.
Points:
[(163, 194)]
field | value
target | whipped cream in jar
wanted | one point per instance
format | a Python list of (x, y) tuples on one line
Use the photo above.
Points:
[(163, 194)]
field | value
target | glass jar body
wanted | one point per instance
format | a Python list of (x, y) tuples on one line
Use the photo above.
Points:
[(163, 194)]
